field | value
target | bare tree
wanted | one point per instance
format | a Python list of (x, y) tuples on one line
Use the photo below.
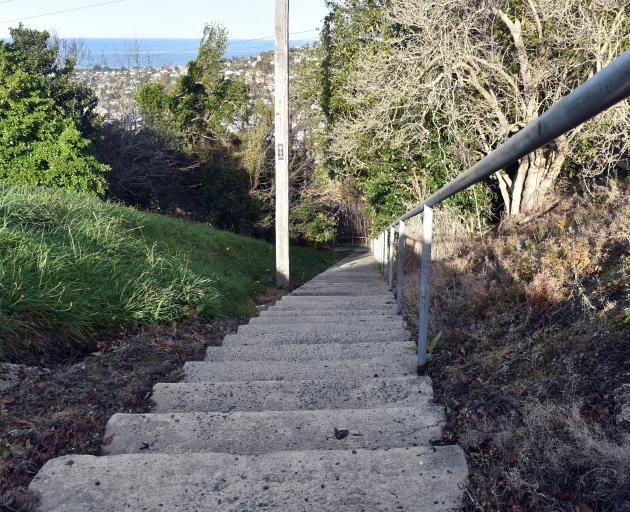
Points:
[(477, 72)]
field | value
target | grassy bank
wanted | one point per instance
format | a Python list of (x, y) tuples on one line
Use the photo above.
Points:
[(73, 267)]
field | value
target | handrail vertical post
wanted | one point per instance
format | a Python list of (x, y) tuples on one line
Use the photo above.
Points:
[(400, 277), (425, 287), (383, 250), (390, 272), (386, 251)]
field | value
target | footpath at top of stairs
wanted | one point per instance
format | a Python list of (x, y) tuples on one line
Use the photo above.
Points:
[(314, 405)]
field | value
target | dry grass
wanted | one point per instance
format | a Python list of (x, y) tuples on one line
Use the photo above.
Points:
[(536, 341)]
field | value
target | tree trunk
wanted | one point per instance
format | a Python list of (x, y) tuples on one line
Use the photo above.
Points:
[(535, 179)]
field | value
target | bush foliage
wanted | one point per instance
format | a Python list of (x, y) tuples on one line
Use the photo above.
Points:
[(203, 105), (227, 128), (416, 92), (46, 119)]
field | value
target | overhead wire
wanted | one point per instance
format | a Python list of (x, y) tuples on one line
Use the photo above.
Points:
[(239, 41), (249, 48), (230, 45), (52, 13)]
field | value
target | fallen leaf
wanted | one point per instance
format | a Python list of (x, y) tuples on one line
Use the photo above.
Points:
[(21, 422)]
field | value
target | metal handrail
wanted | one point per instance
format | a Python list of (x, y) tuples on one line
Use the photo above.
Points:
[(608, 87)]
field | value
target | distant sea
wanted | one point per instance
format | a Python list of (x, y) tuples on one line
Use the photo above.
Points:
[(118, 53)]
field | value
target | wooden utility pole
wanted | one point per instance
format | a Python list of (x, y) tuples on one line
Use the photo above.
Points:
[(282, 143)]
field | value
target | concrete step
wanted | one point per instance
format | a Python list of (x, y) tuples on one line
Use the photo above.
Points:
[(371, 268), (345, 280), (344, 322), (349, 267), (358, 336), (372, 273), (367, 369), (359, 316), (346, 305), (368, 282), (368, 270), (415, 479), (330, 313), (334, 282), (306, 301), (375, 276), (291, 395), (349, 292), (378, 300), (257, 433), (368, 289), (344, 326), (300, 352)]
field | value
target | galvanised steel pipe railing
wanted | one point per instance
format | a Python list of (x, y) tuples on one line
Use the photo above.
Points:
[(608, 87), (390, 253)]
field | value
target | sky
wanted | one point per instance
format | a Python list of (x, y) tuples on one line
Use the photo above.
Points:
[(181, 19)]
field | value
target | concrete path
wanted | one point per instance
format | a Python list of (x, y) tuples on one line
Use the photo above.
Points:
[(313, 406)]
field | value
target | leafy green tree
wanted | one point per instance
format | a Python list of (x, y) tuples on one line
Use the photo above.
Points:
[(155, 102), (391, 178), (204, 106), (352, 28), (201, 117), (47, 122)]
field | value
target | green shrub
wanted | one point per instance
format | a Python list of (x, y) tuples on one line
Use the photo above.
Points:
[(203, 103), (313, 224), (45, 119)]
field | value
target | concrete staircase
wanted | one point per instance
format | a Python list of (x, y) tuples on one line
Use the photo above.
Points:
[(315, 405)]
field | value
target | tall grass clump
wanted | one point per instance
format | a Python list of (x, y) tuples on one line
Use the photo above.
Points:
[(72, 266)]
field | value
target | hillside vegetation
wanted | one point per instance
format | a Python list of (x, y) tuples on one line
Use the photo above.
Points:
[(415, 92), (535, 351), (73, 267)]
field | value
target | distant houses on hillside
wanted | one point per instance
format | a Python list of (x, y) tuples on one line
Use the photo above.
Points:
[(116, 87)]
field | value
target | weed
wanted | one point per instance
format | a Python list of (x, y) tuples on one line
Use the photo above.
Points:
[(431, 346), (434, 343)]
